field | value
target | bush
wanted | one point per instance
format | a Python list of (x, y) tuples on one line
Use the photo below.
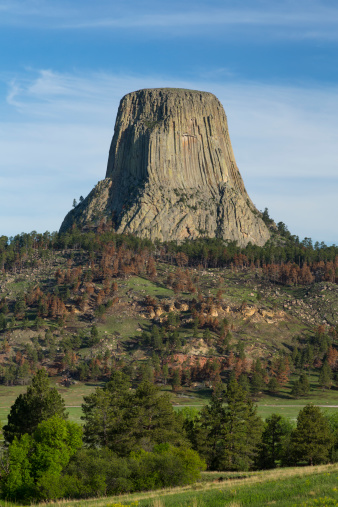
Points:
[(94, 472), (166, 466)]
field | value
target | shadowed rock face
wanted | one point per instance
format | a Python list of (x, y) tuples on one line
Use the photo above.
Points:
[(171, 173)]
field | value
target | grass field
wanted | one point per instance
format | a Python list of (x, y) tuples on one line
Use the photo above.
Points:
[(286, 487)]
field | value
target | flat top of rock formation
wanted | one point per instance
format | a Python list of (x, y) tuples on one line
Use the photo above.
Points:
[(169, 91)]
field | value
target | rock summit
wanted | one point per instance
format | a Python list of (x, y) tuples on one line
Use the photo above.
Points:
[(171, 173)]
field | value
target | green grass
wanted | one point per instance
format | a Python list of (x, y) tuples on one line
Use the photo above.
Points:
[(73, 395), (125, 326), (317, 395), (17, 287), (142, 285), (74, 414), (282, 403), (288, 487), (288, 412)]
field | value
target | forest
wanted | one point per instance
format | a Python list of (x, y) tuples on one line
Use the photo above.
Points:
[(146, 324), (133, 440)]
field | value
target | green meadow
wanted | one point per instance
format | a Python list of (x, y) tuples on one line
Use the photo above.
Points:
[(287, 487)]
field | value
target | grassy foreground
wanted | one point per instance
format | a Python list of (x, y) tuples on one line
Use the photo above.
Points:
[(305, 487)]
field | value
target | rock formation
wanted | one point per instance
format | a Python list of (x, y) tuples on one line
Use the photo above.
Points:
[(171, 173)]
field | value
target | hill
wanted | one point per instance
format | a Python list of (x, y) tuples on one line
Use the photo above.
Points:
[(184, 316)]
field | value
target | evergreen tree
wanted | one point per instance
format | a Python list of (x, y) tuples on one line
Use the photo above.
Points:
[(3, 322), (39, 403), (147, 373), (240, 350), (243, 381), (295, 357), (151, 420), (332, 419), (176, 380), (276, 429), (104, 410), (312, 440), (273, 385), (165, 373), (257, 383), (230, 429), (304, 384), (126, 421), (325, 376), (94, 336), (301, 387)]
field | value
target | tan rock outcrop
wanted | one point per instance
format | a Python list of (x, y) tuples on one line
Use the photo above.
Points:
[(249, 312), (171, 173)]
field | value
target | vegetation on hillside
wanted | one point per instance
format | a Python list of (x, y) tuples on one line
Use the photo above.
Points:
[(207, 317)]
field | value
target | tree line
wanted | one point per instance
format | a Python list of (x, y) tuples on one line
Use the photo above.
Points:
[(301, 261), (133, 440)]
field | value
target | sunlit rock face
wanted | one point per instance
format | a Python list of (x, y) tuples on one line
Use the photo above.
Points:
[(171, 173)]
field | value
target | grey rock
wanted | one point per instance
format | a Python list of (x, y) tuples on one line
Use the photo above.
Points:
[(171, 173)]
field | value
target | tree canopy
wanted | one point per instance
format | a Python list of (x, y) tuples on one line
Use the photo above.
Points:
[(271, 450), (125, 420), (229, 430), (312, 440), (35, 462), (39, 403)]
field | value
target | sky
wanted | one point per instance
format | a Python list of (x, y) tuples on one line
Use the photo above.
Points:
[(65, 65)]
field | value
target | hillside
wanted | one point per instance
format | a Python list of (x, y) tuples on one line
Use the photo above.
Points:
[(83, 304)]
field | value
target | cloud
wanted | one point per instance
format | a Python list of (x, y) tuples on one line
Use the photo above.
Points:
[(284, 139), (266, 17), (310, 19)]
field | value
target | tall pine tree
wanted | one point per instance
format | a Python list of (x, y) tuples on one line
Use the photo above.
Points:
[(312, 440), (230, 429), (38, 404)]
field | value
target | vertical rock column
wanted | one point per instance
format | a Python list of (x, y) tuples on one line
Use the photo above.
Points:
[(172, 173)]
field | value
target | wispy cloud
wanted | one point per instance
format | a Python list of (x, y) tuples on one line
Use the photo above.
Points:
[(302, 19), (284, 139), (270, 17)]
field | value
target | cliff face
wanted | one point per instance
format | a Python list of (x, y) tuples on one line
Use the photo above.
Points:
[(172, 173)]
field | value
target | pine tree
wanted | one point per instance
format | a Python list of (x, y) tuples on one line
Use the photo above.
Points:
[(229, 430), (312, 440), (325, 376), (40, 402), (176, 380), (273, 386), (271, 449), (126, 421), (243, 381), (104, 409), (257, 383), (301, 387)]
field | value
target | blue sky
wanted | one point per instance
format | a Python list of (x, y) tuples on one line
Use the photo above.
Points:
[(64, 66)]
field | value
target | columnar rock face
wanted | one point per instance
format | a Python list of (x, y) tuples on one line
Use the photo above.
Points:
[(171, 173)]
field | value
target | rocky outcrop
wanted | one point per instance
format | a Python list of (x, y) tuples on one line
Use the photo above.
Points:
[(171, 173)]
